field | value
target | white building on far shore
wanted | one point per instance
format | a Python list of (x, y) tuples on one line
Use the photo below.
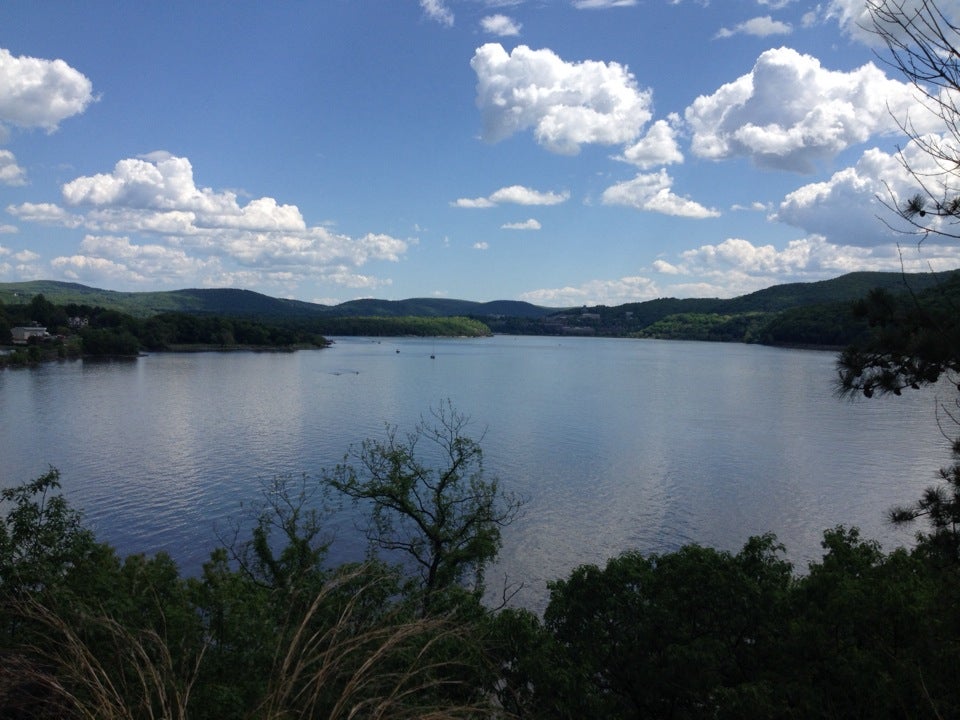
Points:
[(22, 335)]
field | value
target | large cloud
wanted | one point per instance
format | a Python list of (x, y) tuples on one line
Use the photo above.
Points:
[(789, 112), (850, 207), (162, 183), (201, 233), (40, 93), (737, 266), (566, 104), (116, 258), (743, 266)]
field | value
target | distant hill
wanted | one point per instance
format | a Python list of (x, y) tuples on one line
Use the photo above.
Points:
[(246, 303), (226, 301), (815, 313), (810, 314), (845, 288)]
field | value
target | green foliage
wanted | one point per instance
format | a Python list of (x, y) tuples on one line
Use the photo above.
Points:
[(658, 636), (88, 635), (702, 633), (235, 303), (109, 341), (402, 326), (744, 327), (940, 506), (687, 634), (912, 341), (43, 312), (876, 623), (41, 537), (832, 325), (444, 317), (287, 545), (433, 505), (815, 314)]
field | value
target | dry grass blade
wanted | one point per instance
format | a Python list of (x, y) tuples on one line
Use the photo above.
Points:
[(346, 667), (129, 677)]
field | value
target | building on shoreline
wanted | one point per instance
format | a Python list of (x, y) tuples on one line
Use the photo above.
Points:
[(21, 335)]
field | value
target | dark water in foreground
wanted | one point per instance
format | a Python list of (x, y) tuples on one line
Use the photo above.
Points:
[(617, 444)]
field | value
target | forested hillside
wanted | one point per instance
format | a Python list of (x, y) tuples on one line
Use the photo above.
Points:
[(798, 314), (72, 330), (805, 314), (245, 303)]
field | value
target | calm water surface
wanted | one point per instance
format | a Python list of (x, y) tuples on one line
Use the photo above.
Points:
[(617, 444)]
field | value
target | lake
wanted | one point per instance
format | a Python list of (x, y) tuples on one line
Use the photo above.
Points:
[(616, 444)]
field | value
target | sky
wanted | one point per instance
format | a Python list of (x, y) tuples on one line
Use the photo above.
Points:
[(562, 152)]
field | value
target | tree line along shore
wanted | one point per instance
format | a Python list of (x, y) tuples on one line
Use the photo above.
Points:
[(828, 315)]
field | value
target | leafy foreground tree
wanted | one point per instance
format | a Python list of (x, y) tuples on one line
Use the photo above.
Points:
[(916, 341), (434, 504), (700, 633), (696, 633), (87, 635)]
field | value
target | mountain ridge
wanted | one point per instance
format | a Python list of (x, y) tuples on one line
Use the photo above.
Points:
[(236, 302)]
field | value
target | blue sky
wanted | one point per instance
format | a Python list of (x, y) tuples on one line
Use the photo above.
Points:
[(564, 152)]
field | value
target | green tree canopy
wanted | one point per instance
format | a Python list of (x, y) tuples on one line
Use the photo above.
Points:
[(430, 500)]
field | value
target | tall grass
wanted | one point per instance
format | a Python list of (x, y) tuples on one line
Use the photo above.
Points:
[(346, 655), (92, 666), (394, 668)]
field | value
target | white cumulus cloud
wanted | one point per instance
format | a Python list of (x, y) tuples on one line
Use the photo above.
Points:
[(45, 214), (652, 192), (40, 93), (658, 147), (566, 104), (201, 235), (521, 195), (437, 10), (10, 172), (501, 25), (530, 224), (855, 19), (622, 290), (164, 183), (473, 203), (515, 194), (739, 266), (602, 4), (116, 258), (849, 207), (758, 27), (789, 112)]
